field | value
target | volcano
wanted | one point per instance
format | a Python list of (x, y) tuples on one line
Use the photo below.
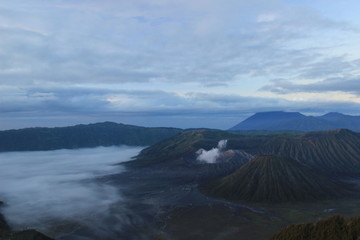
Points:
[(271, 178), (334, 152)]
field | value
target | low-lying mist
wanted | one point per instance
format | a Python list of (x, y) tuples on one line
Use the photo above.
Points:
[(39, 187)]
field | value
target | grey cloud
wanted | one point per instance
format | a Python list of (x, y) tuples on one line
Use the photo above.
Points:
[(332, 84), (215, 84), (83, 44), (87, 100), (149, 108), (69, 101), (46, 46), (329, 67)]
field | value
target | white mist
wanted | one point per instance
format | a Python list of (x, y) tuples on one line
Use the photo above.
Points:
[(39, 187)]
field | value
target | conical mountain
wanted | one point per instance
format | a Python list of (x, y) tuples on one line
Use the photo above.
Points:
[(268, 121), (274, 179)]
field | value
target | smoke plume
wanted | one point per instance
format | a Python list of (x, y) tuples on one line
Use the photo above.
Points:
[(212, 155)]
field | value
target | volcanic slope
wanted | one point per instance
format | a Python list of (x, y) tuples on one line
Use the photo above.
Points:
[(182, 145), (186, 143), (275, 179), (334, 152)]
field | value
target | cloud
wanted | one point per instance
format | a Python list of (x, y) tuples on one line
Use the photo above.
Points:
[(136, 42), (160, 57), (155, 102), (268, 17), (61, 185), (213, 154), (69, 106), (329, 85)]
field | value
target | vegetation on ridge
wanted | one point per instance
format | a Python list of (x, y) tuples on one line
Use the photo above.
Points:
[(332, 228), (80, 136)]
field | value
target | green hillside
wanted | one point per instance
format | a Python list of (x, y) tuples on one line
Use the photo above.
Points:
[(80, 136)]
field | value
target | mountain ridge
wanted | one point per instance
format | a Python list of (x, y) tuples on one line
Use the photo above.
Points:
[(82, 135), (331, 152)]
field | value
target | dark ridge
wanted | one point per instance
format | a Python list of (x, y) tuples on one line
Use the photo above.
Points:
[(332, 228), (29, 234), (7, 234), (275, 179), (266, 132), (82, 136), (3, 224), (342, 131)]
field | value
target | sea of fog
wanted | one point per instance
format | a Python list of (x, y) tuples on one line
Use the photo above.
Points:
[(38, 187)]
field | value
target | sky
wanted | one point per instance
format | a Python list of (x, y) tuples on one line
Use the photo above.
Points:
[(175, 63)]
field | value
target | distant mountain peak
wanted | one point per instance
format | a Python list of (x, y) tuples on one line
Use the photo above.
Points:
[(280, 120), (278, 114), (333, 114)]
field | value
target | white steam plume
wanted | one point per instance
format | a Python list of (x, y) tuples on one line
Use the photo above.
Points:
[(212, 155)]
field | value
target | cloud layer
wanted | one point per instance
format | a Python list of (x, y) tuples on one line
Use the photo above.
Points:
[(44, 188), (345, 85), (84, 58)]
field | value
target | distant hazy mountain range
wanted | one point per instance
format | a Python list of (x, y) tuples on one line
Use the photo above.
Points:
[(298, 122), (80, 136)]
